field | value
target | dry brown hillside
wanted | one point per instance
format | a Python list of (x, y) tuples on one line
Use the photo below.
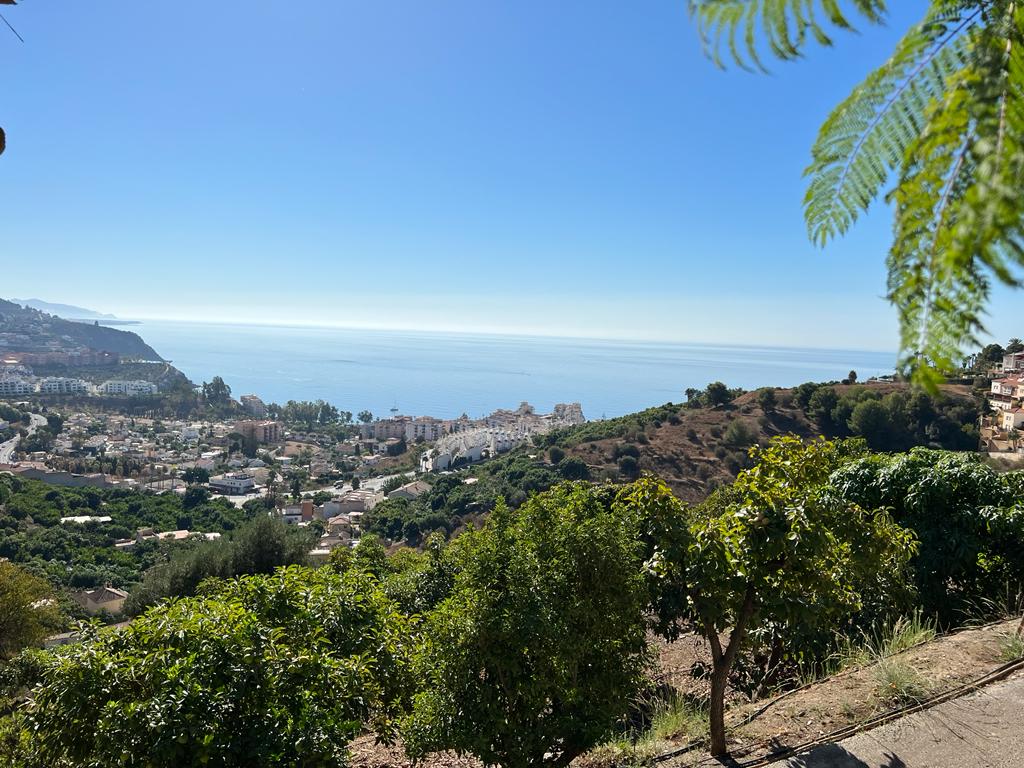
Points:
[(698, 449)]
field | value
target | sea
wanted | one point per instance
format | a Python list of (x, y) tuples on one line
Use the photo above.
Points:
[(448, 374)]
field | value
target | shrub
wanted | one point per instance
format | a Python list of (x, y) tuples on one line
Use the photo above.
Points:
[(629, 467), (262, 671), (740, 435), (542, 644)]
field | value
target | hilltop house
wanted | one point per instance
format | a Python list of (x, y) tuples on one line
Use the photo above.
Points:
[(106, 599), (293, 514), (410, 491)]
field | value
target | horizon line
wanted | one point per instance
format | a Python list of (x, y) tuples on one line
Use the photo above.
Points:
[(325, 325)]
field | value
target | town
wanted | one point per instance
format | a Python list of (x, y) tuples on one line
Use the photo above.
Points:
[(333, 475)]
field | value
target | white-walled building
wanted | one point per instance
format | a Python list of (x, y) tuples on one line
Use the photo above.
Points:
[(254, 405), (1014, 361), (234, 483), (130, 388), (59, 385), (1013, 419), (13, 385)]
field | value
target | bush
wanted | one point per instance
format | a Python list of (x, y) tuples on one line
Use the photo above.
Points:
[(740, 435), (573, 469), (629, 467), (542, 646), (262, 671)]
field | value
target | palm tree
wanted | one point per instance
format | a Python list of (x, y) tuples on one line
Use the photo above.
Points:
[(944, 118)]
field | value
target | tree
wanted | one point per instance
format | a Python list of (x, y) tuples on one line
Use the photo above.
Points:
[(820, 407), (28, 610), (195, 476), (541, 645), (870, 420), (945, 117), (263, 671), (365, 416), (1015, 346), (966, 516), (851, 377), (629, 466), (195, 496), (216, 391), (767, 400), (992, 353), (778, 549), (573, 468), (717, 394)]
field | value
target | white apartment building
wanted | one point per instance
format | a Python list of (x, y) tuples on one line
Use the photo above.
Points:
[(131, 388), (426, 430), (234, 483), (1004, 393), (1014, 361), (12, 385), (58, 385), (254, 405)]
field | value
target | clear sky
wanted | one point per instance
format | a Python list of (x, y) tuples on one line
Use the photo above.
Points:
[(512, 165)]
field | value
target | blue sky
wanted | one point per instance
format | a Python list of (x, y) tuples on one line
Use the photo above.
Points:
[(572, 168)]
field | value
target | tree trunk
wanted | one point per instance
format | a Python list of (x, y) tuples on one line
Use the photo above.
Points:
[(719, 680), (722, 662)]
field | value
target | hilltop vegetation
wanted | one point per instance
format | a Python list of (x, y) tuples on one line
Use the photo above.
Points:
[(694, 447)]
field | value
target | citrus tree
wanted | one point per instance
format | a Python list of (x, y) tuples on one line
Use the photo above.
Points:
[(28, 610), (777, 548), (283, 669), (944, 117), (541, 646)]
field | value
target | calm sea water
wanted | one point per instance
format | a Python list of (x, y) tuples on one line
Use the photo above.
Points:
[(446, 374)]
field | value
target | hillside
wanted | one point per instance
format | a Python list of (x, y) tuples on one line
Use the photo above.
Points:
[(23, 329), (67, 311), (696, 449)]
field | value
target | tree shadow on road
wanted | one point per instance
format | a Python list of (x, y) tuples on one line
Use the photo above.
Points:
[(834, 756)]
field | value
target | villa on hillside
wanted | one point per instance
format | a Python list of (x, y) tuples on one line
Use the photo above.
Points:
[(106, 599), (410, 491), (1013, 362)]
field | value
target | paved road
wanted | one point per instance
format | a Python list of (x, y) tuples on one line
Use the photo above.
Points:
[(7, 449), (982, 730)]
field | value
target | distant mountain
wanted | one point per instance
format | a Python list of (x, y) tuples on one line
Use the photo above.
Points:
[(67, 311), (24, 329)]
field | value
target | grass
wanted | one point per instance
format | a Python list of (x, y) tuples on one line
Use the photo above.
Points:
[(887, 641), (679, 720), (896, 683), (1011, 647), (674, 721)]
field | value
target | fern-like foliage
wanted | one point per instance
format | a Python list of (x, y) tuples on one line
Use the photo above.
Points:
[(745, 27), (959, 207), (944, 116), (866, 137)]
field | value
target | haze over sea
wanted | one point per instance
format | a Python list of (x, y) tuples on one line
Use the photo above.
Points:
[(447, 374)]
